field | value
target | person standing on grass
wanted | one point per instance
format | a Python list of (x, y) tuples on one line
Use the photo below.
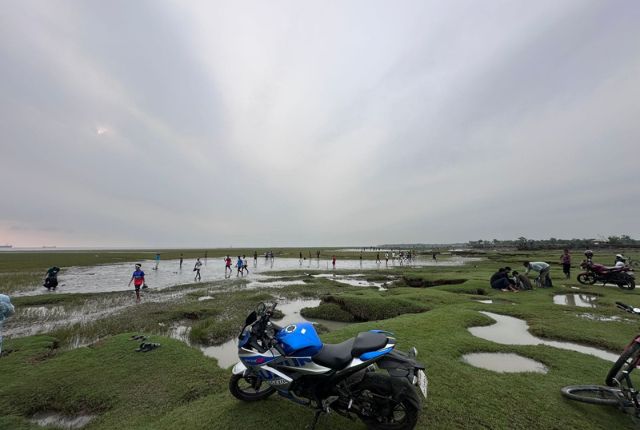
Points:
[(196, 268), (543, 269), (565, 260), (6, 310), (138, 280)]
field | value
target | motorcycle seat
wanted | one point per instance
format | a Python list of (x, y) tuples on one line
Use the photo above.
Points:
[(335, 356), (368, 341)]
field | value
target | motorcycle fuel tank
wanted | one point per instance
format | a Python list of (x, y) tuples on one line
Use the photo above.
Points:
[(299, 340)]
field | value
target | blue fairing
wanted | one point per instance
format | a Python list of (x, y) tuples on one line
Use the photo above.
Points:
[(244, 339), (299, 340), (374, 354)]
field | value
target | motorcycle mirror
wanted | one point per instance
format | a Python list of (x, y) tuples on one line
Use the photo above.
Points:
[(636, 310), (251, 318)]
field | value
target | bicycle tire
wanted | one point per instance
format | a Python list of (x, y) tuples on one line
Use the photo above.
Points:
[(628, 356), (594, 394)]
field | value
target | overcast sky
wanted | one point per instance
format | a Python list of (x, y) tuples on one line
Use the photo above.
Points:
[(272, 123)]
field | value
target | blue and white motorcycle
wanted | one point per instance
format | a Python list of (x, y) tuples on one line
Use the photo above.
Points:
[(343, 377)]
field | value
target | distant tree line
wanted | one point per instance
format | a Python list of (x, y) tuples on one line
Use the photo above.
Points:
[(522, 243)]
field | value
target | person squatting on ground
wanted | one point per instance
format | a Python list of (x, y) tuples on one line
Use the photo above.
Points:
[(501, 281), (544, 280), (6, 310), (138, 280), (521, 282), (565, 260), (51, 279), (196, 268)]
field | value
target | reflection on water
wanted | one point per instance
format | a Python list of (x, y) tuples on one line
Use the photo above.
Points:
[(513, 331), (504, 362), (580, 300)]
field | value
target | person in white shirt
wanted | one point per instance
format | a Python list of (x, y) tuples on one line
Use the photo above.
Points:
[(620, 261), (543, 269)]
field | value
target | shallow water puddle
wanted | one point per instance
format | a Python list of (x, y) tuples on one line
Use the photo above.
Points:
[(603, 318), (513, 331), (488, 302), (580, 300), (53, 419), (227, 353), (503, 362), (353, 280)]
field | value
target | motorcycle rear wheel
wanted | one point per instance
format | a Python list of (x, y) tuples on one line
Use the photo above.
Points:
[(586, 279), (628, 283), (249, 389), (390, 414)]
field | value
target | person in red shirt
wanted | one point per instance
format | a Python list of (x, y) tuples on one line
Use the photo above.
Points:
[(227, 267), (138, 280)]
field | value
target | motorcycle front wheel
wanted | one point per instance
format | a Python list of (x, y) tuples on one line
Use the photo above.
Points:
[(586, 279), (249, 388), (387, 413)]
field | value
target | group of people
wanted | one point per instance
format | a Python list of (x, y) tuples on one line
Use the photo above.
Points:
[(507, 280)]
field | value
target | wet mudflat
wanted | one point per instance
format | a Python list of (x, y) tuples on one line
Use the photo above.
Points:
[(513, 331), (504, 362), (115, 277)]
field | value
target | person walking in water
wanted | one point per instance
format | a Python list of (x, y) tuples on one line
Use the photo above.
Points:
[(245, 265), (378, 258), (565, 260), (138, 280), (239, 266), (196, 268), (157, 261), (333, 261), (228, 270), (255, 258)]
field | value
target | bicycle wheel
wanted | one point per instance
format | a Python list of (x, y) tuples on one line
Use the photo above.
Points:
[(594, 394), (627, 362)]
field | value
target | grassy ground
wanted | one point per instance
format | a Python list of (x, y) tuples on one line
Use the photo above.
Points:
[(176, 386)]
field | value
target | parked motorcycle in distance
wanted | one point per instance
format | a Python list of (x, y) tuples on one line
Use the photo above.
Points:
[(293, 362), (623, 277)]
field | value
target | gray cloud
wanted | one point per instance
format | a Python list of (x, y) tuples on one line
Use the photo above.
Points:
[(216, 123)]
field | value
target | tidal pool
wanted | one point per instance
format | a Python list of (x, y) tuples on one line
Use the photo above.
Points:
[(353, 280), (513, 331), (580, 300), (503, 362)]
